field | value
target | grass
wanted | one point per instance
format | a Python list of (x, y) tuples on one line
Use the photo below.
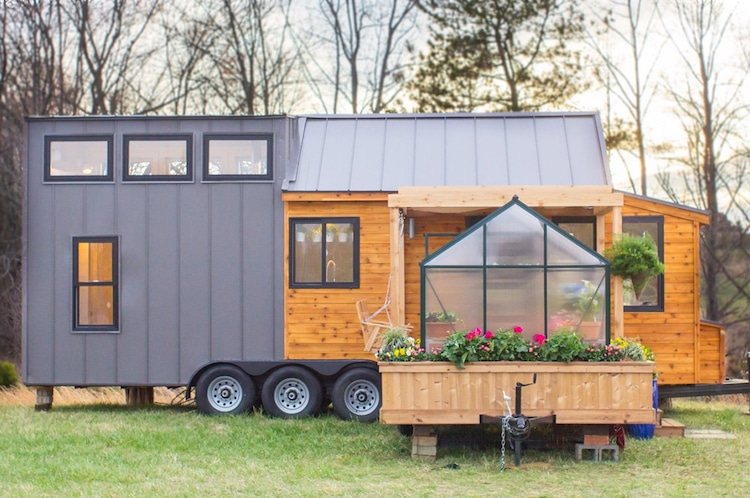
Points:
[(94, 448)]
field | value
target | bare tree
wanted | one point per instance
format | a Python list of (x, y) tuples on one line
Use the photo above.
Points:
[(111, 53), (252, 61), (711, 109), (632, 24), (359, 57)]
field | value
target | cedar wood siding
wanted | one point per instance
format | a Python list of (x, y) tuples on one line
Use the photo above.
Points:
[(674, 334), (322, 323)]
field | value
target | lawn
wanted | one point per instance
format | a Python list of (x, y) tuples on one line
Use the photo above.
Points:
[(105, 449)]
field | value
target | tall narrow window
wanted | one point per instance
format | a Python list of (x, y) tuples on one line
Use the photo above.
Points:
[(85, 158), (95, 284), (324, 252), (652, 297)]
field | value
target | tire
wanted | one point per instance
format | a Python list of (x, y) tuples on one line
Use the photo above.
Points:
[(356, 395), (224, 390), (291, 392)]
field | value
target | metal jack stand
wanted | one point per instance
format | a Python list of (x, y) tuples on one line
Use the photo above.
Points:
[(516, 425)]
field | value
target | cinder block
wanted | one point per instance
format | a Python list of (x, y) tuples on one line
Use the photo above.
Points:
[(598, 452)]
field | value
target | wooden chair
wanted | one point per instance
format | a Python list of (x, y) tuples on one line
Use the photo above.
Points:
[(372, 330)]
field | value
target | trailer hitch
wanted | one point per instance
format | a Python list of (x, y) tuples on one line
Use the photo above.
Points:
[(515, 426)]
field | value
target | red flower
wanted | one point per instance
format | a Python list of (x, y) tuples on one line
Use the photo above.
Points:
[(517, 329), (539, 339), (488, 335)]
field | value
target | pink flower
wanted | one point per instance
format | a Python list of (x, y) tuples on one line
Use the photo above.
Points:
[(517, 329), (539, 339), (488, 335)]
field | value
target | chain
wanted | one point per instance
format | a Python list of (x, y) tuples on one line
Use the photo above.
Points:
[(505, 425)]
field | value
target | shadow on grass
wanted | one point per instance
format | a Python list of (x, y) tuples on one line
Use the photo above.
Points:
[(121, 408)]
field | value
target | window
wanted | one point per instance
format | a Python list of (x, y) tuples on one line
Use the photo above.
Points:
[(78, 158), (237, 157), (582, 228), (157, 158), (324, 252), (95, 284), (652, 297)]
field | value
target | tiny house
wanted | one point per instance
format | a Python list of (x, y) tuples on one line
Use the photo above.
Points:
[(227, 254)]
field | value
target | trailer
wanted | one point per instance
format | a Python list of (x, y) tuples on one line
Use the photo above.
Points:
[(231, 255)]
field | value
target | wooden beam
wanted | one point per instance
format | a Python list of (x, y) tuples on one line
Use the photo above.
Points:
[(398, 299), (617, 319), (478, 197)]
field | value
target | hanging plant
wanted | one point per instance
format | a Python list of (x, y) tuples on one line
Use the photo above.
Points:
[(636, 258)]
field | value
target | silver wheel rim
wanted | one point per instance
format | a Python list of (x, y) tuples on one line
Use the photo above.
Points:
[(361, 397), (292, 396), (225, 393)]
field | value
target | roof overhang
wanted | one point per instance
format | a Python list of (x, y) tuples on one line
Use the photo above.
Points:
[(598, 198)]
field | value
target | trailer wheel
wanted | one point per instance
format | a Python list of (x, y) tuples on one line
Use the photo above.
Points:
[(356, 395), (291, 392), (224, 390)]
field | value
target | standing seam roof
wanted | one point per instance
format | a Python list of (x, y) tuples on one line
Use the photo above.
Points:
[(384, 152)]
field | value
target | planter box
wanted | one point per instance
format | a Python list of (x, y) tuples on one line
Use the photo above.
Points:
[(416, 393)]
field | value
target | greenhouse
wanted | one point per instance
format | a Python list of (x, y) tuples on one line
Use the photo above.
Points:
[(515, 269)]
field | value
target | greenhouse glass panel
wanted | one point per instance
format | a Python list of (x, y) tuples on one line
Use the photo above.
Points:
[(469, 253), (515, 297), (577, 300), (515, 237), (562, 250), (515, 268), (453, 301)]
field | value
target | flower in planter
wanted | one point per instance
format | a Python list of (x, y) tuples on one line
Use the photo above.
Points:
[(399, 346), (634, 350), (602, 352)]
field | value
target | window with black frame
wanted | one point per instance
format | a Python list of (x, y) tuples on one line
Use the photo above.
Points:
[(652, 296), (157, 158), (233, 157), (324, 252), (78, 158), (95, 284)]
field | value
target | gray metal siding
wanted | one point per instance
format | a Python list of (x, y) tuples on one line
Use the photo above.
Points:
[(199, 263)]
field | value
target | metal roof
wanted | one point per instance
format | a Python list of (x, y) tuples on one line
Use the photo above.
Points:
[(383, 152)]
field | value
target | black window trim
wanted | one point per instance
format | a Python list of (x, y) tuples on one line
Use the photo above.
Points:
[(149, 137), (659, 221), (267, 137), (354, 221), (50, 178), (115, 283)]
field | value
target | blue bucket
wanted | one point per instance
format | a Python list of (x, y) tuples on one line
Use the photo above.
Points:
[(645, 431)]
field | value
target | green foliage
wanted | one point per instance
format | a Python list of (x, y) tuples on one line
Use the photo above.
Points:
[(602, 352), (632, 255), (8, 375), (589, 301), (398, 345), (498, 56), (562, 347), (441, 317)]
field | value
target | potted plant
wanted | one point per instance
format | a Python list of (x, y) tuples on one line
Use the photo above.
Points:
[(316, 234), (438, 325), (635, 258), (587, 307)]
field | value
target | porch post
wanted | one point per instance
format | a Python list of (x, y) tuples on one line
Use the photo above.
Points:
[(617, 324), (398, 300)]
